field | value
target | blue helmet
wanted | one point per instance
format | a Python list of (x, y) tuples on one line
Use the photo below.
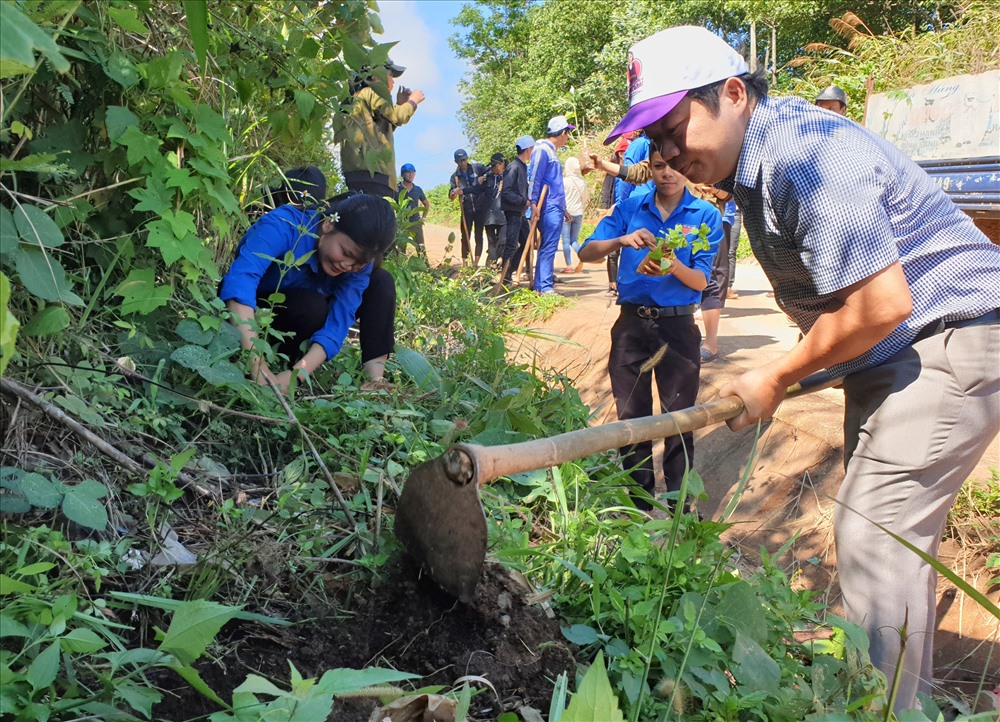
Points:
[(407, 168)]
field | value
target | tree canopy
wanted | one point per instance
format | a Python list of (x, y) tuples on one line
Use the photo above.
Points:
[(533, 60)]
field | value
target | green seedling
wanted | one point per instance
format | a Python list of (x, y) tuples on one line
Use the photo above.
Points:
[(670, 240)]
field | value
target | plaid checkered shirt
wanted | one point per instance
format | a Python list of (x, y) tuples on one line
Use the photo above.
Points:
[(826, 203)]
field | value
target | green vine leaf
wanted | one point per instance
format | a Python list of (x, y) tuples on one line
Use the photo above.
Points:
[(35, 227), (118, 119), (21, 38), (197, 18), (140, 294), (140, 146), (44, 276), (8, 324), (192, 357), (81, 504), (121, 70), (192, 332), (47, 322), (128, 20), (39, 491)]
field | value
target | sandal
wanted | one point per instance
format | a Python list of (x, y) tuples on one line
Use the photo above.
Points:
[(707, 356), (569, 269)]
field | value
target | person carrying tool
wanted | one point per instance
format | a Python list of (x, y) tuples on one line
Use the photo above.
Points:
[(893, 287), (494, 219), (514, 202), (657, 312), (321, 293), (465, 183), (544, 171), (367, 157)]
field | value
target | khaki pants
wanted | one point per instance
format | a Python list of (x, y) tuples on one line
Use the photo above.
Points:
[(914, 429)]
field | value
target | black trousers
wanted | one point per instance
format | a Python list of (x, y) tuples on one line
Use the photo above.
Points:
[(511, 236), (714, 295), (472, 223), (634, 341), (304, 312), (495, 241), (363, 183)]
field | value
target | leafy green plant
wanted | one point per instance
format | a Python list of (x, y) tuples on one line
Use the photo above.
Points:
[(678, 237), (80, 503), (306, 699)]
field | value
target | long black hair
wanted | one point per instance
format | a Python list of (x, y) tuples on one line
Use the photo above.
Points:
[(369, 221)]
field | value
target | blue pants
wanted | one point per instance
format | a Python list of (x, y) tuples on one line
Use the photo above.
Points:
[(550, 227), (571, 236)]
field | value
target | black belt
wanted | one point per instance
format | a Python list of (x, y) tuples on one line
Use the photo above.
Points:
[(939, 326), (660, 311)]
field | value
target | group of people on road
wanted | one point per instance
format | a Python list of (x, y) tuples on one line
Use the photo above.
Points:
[(502, 200), (894, 288)]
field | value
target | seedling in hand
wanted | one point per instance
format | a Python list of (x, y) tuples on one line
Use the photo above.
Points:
[(671, 240)]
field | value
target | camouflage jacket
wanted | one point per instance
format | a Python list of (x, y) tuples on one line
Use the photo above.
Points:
[(365, 134)]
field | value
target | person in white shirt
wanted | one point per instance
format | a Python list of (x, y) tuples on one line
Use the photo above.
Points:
[(576, 200)]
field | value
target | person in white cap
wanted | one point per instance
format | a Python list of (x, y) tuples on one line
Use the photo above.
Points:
[(544, 171), (893, 287)]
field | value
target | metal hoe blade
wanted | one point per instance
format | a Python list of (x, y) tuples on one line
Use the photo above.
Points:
[(441, 521)]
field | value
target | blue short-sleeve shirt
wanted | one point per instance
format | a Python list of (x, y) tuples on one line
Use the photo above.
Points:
[(259, 269), (827, 203), (639, 211)]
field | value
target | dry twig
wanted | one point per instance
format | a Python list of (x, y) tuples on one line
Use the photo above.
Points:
[(104, 446)]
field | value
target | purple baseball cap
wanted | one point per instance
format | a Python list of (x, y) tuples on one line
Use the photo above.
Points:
[(664, 67)]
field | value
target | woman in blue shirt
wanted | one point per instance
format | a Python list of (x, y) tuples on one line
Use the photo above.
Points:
[(657, 311), (319, 262)]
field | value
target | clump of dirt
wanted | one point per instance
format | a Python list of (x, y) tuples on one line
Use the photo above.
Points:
[(405, 623)]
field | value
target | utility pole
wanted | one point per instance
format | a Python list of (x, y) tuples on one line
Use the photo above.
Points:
[(753, 45)]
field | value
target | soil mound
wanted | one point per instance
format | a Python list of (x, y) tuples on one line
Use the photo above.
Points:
[(407, 623)]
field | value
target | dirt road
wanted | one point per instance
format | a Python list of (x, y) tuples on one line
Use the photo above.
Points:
[(798, 468)]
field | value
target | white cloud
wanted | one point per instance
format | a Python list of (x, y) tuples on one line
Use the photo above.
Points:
[(401, 21)]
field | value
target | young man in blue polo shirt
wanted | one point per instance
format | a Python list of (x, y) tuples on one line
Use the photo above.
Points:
[(892, 286), (657, 309)]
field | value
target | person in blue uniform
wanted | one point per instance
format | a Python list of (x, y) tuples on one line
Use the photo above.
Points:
[(333, 248), (544, 171), (657, 309)]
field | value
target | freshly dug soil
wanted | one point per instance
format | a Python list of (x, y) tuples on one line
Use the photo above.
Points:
[(406, 623)]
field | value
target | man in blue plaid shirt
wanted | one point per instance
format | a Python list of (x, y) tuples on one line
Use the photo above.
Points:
[(893, 287)]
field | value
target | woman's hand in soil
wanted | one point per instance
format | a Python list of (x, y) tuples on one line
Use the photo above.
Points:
[(761, 394)]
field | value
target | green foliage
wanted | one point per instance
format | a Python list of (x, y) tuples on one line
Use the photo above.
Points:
[(676, 238), (916, 54), (594, 701), (80, 503), (534, 60), (8, 324), (306, 699)]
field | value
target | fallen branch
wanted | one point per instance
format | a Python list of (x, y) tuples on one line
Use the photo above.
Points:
[(105, 447)]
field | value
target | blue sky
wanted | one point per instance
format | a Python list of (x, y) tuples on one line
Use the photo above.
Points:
[(422, 28)]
